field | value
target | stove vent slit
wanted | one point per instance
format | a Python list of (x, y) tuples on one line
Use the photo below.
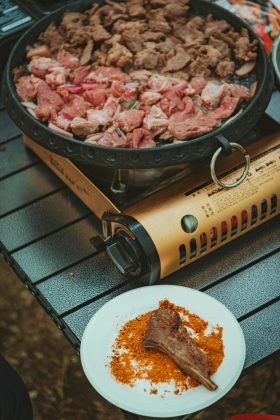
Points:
[(254, 211), (263, 209), (183, 254), (193, 248), (273, 203), (244, 219), (203, 242), (213, 236), (234, 225), (224, 231)]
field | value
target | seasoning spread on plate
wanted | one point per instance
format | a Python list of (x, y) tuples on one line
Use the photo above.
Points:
[(131, 361)]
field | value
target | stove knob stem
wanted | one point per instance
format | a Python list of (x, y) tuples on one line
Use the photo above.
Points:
[(122, 250)]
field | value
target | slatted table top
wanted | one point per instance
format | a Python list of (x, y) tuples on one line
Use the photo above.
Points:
[(45, 235)]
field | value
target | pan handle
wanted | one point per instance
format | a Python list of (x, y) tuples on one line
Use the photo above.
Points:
[(234, 146)]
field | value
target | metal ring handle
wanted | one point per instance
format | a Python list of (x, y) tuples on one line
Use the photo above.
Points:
[(235, 146)]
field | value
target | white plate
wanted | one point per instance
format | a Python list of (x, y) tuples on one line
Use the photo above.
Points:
[(103, 329)]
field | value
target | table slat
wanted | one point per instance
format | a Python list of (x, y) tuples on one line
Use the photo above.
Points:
[(24, 187), (250, 289), (262, 334), (78, 320), (14, 157), (40, 218), (57, 251), (8, 129), (92, 278)]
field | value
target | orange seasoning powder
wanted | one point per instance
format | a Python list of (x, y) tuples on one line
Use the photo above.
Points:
[(131, 361)]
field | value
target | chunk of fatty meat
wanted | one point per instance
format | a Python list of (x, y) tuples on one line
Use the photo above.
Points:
[(140, 139), (212, 93), (82, 127), (123, 91), (113, 140), (65, 59), (40, 66), (56, 77), (26, 88), (156, 119), (96, 97), (239, 91), (167, 333), (198, 84), (150, 97), (192, 126), (80, 73), (129, 120), (226, 108), (49, 102)]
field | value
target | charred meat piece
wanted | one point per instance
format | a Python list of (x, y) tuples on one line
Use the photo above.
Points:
[(167, 334)]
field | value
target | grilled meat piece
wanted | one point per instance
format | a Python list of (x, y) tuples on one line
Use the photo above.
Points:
[(166, 333)]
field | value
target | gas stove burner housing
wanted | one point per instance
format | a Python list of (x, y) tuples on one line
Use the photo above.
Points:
[(182, 220)]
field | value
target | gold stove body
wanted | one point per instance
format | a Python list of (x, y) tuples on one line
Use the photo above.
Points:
[(188, 218)]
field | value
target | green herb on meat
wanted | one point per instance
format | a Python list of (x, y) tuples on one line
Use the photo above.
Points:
[(133, 105), (118, 131)]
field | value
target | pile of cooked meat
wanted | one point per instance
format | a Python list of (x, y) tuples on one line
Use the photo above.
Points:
[(137, 73)]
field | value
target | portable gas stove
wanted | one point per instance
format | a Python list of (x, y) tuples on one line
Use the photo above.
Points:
[(154, 231)]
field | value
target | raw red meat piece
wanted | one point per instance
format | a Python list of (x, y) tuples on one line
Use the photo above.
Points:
[(66, 59), (96, 97), (175, 99), (26, 88), (82, 127), (92, 86), (192, 126), (140, 139), (64, 92), (124, 92), (76, 107), (106, 75), (168, 107), (212, 94), (226, 108), (80, 73), (63, 120), (198, 84), (129, 120), (156, 119), (49, 102), (150, 97), (238, 91), (56, 77), (41, 66), (159, 83), (112, 106), (183, 88), (113, 140), (99, 117), (189, 105)]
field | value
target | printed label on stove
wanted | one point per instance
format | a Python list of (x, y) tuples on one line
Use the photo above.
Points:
[(264, 169)]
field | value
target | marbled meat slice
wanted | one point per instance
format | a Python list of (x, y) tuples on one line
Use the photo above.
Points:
[(166, 333)]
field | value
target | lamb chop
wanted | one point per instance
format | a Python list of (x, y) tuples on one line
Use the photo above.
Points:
[(167, 333)]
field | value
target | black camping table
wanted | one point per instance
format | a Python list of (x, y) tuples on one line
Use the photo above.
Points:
[(45, 233)]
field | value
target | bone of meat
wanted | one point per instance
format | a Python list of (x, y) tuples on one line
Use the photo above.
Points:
[(166, 333)]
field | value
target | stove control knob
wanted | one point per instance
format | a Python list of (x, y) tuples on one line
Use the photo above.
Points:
[(121, 250)]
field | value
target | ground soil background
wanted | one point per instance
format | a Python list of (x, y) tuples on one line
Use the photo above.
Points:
[(58, 389)]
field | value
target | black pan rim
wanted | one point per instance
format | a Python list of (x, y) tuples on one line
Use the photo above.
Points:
[(131, 152)]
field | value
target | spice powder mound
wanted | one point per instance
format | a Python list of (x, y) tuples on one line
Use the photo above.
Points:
[(131, 361)]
